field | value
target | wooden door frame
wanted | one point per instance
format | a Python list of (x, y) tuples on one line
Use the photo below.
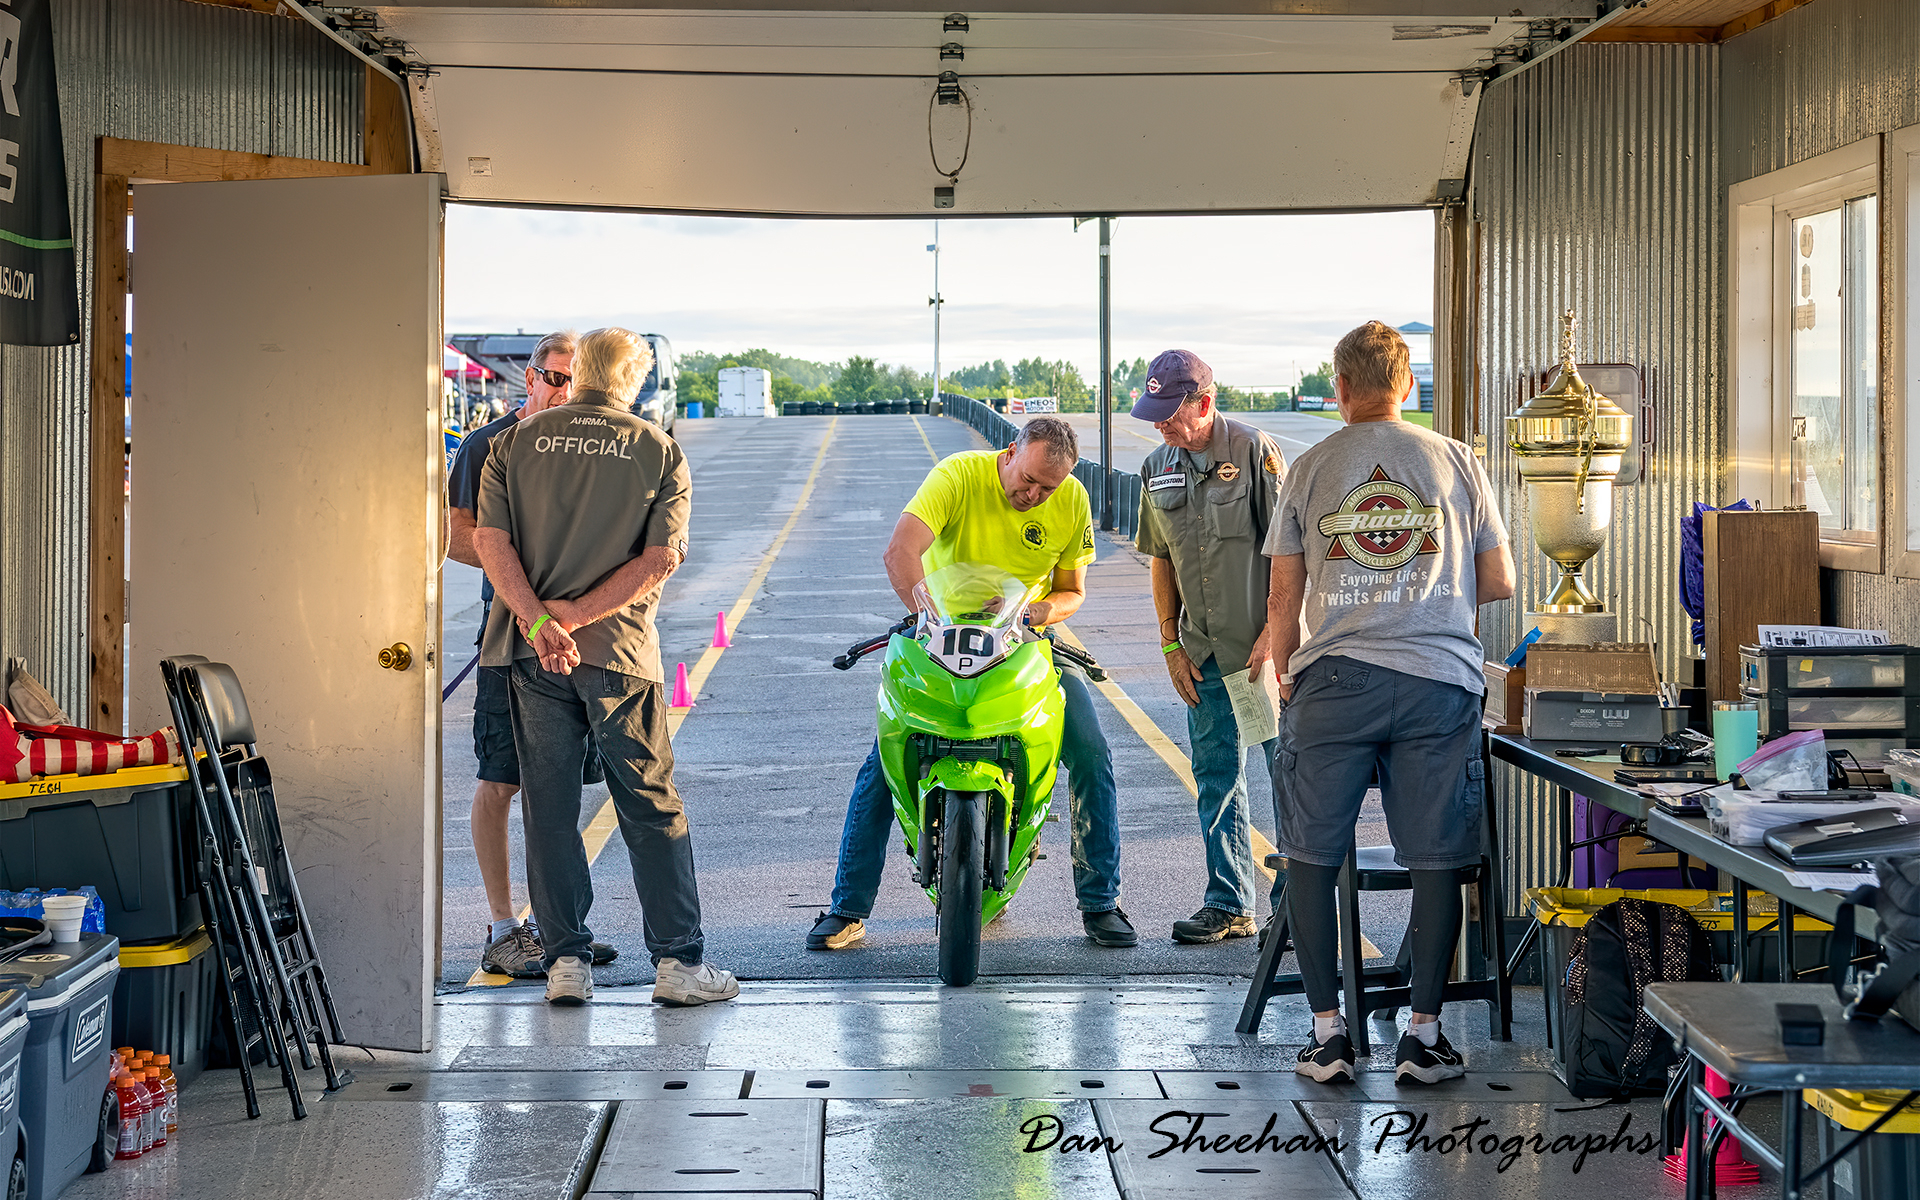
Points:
[(119, 163)]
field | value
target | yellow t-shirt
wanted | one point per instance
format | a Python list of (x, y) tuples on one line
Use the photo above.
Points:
[(973, 521)]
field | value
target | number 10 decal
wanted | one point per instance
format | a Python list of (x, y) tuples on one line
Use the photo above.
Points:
[(972, 640)]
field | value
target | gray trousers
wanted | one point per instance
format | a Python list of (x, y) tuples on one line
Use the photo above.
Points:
[(625, 718)]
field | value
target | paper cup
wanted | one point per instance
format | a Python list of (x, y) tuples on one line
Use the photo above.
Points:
[(64, 930), (57, 907)]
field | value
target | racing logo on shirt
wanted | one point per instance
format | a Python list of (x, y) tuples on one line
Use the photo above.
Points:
[(1034, 534), (1382, 524)]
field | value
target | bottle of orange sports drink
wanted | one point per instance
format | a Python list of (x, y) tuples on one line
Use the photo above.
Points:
[(163, 1064)]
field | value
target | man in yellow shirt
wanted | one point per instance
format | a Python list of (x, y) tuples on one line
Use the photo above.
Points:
[(1022, 510)]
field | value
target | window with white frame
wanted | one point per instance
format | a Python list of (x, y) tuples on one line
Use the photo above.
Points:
[(1903, 260), (1806, 347)]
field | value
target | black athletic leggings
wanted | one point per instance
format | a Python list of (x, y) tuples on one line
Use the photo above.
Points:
[(1434, 926)]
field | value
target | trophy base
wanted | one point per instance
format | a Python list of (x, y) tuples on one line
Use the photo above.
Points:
[(1579, 629)]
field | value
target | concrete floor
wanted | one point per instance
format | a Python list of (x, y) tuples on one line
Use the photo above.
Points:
[(886, 1089), (853, 1074)]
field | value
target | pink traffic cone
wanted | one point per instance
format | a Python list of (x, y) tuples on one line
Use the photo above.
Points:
[(1729, 1165), (682, 698), (720, 639)]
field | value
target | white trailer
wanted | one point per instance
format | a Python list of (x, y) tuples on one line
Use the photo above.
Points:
[(746, 392)]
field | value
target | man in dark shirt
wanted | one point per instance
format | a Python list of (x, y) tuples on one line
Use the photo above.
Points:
[(513, 947), (583, 516)]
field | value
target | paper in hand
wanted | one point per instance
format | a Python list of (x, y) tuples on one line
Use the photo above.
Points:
[(1256, 705)]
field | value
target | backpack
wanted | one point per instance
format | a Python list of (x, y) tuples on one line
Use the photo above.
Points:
[(1895, 984), (1613, 1046)]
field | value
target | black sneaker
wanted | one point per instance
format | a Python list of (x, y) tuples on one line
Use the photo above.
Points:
[(1325, 1062), (1211, 925), (831, 931), (1268, 929), (1109, 928), (1418, 1062), (602, 952)]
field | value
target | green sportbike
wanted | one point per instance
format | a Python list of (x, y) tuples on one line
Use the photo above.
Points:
[(970, 727)]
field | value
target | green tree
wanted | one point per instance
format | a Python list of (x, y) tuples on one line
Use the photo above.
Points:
[(857, 381), (698, 388), (1317, 382), (786, 390)]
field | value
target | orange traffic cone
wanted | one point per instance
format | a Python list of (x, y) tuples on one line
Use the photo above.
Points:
[(682, 698), (720, 639)]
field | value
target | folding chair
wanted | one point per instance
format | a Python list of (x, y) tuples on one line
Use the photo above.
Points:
[(261, 878), (1373, 989), (236, 951)]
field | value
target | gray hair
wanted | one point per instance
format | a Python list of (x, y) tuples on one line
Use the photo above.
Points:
[(561, 341), (1193, 398), (612, 360), (1063, 446)]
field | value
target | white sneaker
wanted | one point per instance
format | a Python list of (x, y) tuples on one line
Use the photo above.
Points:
[(676, 983), (569, 981)]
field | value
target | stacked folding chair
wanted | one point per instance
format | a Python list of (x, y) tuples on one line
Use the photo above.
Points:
[(270, 971)]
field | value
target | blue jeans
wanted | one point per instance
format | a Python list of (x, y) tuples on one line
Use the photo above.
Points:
[(1096, 814), (1220, 775)]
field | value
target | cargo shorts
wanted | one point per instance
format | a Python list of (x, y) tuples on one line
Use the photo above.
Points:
[(1348, 718)]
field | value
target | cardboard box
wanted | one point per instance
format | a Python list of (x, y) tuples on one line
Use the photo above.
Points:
[(1606, 692), (1506, 696)]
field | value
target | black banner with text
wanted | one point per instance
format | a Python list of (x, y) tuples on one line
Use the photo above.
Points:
[(39, 295)]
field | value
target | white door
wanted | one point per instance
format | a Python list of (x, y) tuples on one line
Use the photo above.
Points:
[(286, 512)]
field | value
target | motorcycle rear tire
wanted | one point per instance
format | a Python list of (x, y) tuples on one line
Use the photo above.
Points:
[(963, 865)]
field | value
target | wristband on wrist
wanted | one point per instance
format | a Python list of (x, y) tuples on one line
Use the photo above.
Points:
[(1170, 647), (534, 628)]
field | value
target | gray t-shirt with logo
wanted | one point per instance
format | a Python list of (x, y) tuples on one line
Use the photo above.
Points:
[(1389, 517)]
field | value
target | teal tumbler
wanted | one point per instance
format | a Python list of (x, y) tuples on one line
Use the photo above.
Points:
[(1736, 734)]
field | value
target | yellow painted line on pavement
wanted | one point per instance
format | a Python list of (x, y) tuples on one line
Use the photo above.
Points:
[(923, 438), (1170, 753), (600, 830)]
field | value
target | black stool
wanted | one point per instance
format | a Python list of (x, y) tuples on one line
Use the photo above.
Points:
[(1371, 989)]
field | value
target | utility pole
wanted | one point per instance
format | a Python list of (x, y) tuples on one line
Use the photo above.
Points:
[(936, 301), (1106, 373)]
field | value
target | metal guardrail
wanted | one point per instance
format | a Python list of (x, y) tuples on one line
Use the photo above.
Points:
[(1125, 484)]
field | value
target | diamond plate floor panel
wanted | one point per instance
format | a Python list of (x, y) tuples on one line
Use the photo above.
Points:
[(911, 1085), (526, 1087), (659, 1147)]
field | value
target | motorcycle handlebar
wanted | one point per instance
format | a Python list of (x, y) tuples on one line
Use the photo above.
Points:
[(859, 650)]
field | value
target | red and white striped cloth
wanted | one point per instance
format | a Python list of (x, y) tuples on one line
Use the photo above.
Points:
[(30, 750)]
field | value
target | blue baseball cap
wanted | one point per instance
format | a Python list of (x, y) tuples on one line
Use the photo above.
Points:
[(1174, 376)]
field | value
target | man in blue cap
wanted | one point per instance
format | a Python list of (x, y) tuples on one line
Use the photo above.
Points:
[(1206, 499)]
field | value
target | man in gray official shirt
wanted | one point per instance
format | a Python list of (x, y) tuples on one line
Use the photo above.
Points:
[(1206, 498), (1388, 534), (583, 515)]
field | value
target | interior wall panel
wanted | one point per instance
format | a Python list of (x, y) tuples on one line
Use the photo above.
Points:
[(1595, 184), (157, 70), (1819, 78)]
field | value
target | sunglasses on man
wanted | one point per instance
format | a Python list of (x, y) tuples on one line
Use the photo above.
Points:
[(553, 379)]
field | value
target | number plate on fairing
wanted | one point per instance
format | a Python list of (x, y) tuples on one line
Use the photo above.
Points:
[(967, 650)]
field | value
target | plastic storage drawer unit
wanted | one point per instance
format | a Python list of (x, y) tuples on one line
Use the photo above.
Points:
[(63, 1075), (1884, 1167), (13, 1137), (164, 1001), (129, 833)]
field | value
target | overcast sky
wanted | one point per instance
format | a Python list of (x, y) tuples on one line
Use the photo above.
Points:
[(1257, 297)]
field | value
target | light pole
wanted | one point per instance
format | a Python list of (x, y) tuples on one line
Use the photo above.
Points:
[(936, 301)]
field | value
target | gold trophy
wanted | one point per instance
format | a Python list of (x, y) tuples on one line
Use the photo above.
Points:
[(1569, 440)]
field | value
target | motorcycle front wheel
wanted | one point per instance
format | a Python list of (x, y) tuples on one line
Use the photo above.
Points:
[(963, 864)]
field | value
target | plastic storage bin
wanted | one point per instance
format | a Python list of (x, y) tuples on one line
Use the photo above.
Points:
[(63, 1076), (13, 1045), (1884, 1167), (165, 1001), (1562, 911), (129, 834)]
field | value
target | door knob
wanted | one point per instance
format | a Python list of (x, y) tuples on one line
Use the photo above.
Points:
[(396, 657)]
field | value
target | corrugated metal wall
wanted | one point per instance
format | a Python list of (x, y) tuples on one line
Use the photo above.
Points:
[(1817, 79), (1594, 182), (154, 70)]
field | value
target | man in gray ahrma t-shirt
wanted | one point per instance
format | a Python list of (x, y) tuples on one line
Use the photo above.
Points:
[(1388, 534)]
